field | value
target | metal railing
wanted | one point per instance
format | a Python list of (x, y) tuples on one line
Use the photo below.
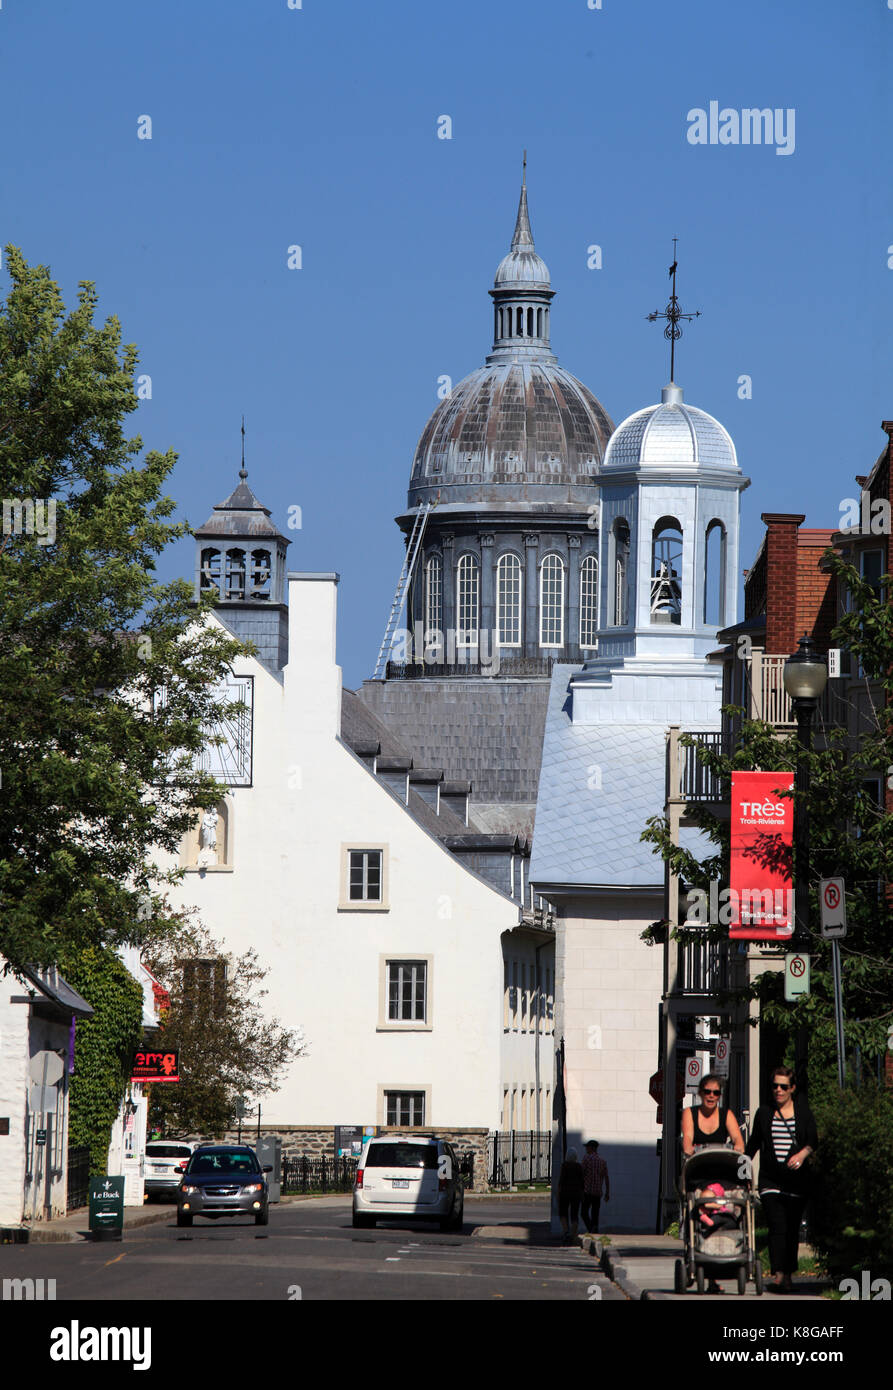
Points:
[(78, 1178), (703, 965), (506, 666), (322, 1174), (519, 1156)]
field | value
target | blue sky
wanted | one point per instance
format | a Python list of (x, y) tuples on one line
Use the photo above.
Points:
[(317, 127)]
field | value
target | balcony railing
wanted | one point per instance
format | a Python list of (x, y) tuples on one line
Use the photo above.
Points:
[(703, 965)]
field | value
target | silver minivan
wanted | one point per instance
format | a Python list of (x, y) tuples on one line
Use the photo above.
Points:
[(403, 1178)]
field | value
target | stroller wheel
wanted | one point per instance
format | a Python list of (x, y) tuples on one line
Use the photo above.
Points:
[(679, 1280), (758, 1277), (699, 1278), (742, 1279)]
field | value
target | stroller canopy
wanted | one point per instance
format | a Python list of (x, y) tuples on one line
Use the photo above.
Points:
[(713, 1164)]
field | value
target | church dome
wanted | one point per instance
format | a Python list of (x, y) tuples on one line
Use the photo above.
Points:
[(513, 420), (670, 435), (521, 419)]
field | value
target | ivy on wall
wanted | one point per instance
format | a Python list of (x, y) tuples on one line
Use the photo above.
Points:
[(104, 1047)]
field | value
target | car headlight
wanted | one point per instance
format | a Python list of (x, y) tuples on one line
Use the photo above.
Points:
[(253, 1187), (186, 1187)]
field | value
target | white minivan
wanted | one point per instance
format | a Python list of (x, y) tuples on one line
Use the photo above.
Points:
[(402, 1178)]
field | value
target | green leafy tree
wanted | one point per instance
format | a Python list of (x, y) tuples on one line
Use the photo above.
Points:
[(851, 836), (228, 1047), (96, 765)]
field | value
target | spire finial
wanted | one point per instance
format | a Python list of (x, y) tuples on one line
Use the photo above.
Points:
[(673, 314), (523, 238), (243, 471)]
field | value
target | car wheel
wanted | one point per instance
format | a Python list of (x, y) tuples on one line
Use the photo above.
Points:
[(679, 1279), (262, 1218), (361, 1222), (184, 1218), (459, 1221)]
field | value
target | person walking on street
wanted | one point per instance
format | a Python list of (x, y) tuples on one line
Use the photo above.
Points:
[(785, 1135), (709, 1122), (570, 1190), (595, 1178)]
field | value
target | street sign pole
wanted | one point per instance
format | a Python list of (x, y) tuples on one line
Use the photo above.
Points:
[(838, 1009)]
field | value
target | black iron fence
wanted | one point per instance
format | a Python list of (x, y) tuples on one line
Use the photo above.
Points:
[(78, 1178), (519, 1156), (322, 1174)]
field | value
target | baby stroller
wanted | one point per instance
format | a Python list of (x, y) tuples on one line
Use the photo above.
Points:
[(716, 1220)]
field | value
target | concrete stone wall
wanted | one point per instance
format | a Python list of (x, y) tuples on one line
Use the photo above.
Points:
[(318, 1141)]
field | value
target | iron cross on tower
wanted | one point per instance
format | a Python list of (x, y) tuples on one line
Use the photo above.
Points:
[(673, 315)]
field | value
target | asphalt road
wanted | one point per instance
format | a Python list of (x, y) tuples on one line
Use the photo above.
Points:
[(310, 1251)]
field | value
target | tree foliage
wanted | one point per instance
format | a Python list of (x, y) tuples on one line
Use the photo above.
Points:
[(95, 769), (228, 1048), (851, 833)]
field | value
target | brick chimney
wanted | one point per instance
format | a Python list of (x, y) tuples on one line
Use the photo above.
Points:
[(781, 581)]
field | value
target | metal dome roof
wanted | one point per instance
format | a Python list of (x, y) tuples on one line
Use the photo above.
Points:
[(670, 435), (528, 421)]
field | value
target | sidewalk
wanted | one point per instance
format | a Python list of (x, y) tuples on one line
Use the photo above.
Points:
[(643, 1267)]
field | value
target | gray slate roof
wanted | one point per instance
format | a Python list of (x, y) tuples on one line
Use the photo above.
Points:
[(599, 783)]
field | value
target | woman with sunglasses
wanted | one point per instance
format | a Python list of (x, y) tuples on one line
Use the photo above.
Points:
[(709, 1123), (785, 1135)]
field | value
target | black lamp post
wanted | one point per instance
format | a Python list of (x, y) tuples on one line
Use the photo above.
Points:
[(805, 677)]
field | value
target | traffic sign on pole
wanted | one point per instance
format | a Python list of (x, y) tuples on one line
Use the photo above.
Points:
[(721, 1058), (694, 1070), (796, 975), (832, 900)]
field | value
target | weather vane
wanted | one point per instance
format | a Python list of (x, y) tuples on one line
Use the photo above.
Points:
[(673, 315)]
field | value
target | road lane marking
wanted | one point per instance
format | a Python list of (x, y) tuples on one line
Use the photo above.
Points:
[(114, 1261)]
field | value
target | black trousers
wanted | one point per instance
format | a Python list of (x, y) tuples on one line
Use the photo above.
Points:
[(569, 1204), (783, 1215), (591, 1207)]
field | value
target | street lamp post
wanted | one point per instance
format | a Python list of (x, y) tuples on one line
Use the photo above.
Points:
[(805, 677)]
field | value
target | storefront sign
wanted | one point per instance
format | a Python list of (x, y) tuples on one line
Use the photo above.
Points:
[(760, 877), (155, 1066)]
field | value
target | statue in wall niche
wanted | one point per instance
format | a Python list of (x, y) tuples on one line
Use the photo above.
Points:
[(208, 838)]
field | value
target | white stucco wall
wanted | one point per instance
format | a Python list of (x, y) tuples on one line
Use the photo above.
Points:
[(13, 1093), (311, 799), (609, 1015)]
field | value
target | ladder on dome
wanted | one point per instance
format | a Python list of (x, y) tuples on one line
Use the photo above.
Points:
[(413, 547)]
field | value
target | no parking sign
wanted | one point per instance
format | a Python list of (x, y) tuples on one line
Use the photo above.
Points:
[(721, 1060), (694, 1070)]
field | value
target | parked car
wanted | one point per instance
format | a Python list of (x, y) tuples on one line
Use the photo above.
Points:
[(224, 1180), (166, 1161), (402, 1178)]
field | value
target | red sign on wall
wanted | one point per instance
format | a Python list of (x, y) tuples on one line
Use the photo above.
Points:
[(155, 1066), (761, 893)]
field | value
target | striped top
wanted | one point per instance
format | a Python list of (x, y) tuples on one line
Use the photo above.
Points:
[(782, 1143)]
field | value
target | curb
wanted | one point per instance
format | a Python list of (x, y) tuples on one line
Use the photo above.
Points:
[(50, 1233)]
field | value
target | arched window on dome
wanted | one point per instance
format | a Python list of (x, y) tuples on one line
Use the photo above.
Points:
[(552, 601), (666, 571), (519, 322), (210, 570), (539, 323), (261, 574), (530, 323), (467, 601), (235, 574), (589, 602), (508, 601), (619, 605), (433, 599), (715, 575)]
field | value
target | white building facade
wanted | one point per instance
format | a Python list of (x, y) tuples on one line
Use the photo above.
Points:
[(669, 552)]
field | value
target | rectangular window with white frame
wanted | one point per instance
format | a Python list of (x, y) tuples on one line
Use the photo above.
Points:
[(405, 1108), (364, 878), (407, 986)]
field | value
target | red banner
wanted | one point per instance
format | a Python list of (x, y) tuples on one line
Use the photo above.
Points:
[(761, 889)]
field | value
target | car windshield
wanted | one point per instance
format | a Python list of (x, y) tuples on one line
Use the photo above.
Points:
[(402, 1156), (223, 1162), (168, 1151)]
